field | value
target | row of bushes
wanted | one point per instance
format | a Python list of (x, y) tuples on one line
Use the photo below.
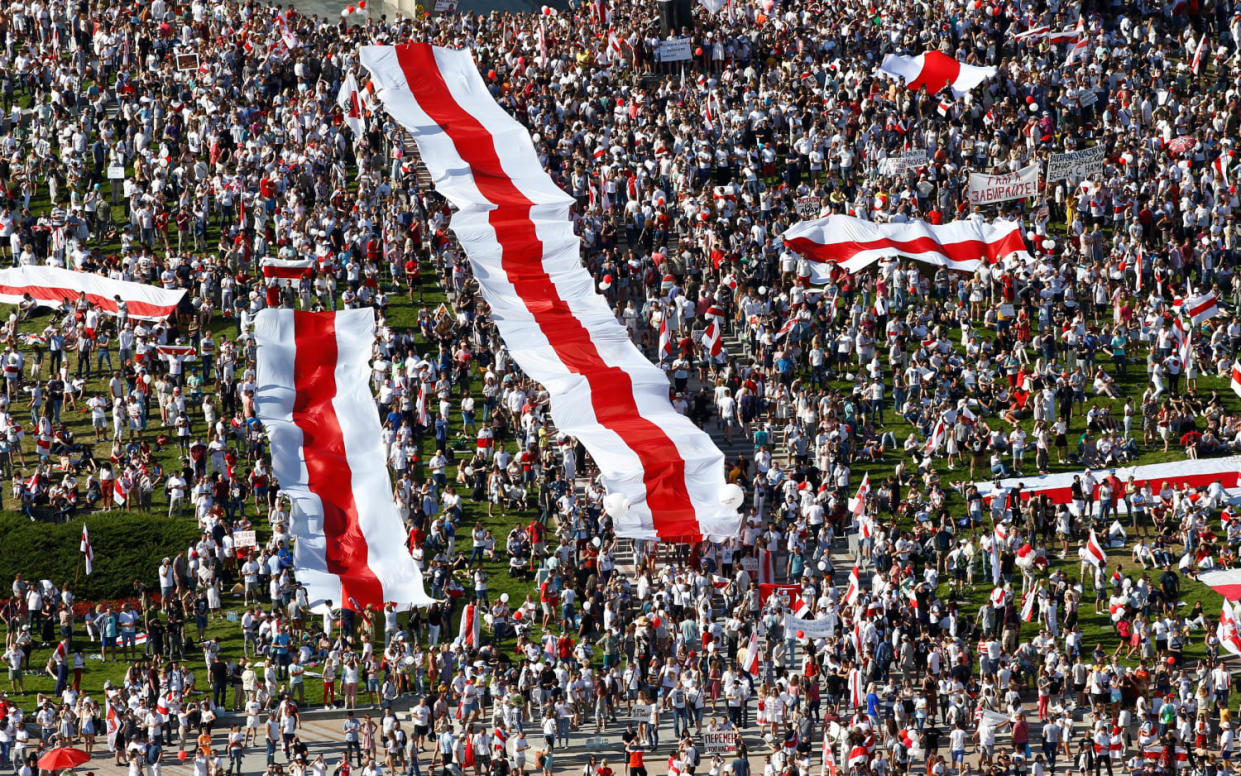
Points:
[(127, 547)]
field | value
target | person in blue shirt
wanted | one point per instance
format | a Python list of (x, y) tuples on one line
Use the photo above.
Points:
[(281, 645)]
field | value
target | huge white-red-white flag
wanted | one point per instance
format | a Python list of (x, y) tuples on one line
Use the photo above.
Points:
[(1081, 48), (513, 222), (935, 70), (314, 399), (854, 244)]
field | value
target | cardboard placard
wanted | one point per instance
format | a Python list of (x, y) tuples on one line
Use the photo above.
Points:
[(187, 62), (724, 742), (244, 539), (674, 50)]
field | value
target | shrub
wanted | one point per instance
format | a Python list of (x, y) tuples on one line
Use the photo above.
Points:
[(127, 546)]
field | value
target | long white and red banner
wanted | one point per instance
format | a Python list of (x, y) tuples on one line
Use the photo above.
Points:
[(315, 400), (54, 287), (1059, 487), (853, 243), (513, 222), (935, 70)]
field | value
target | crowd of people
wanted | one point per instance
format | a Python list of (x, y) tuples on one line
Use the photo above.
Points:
[(686, 174)]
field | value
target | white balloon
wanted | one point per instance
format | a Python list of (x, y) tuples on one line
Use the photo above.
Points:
[(1050, 245), (732, 495), (503, 598), (616, 504)]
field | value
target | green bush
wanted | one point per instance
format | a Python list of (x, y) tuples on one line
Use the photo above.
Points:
[(127, 546)]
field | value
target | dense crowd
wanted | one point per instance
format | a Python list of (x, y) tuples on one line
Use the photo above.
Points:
[(686, 174)]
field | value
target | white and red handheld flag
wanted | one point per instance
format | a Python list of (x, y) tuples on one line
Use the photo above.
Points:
[(751, 655), (88, 553), (315, 400), (1196, 65), (513, 222), (351, 105), (1201, 307), (665, 340), (1220, 165), (286, 269), (935, 70), (854, 244), (1229, 637), (854, 589), (857, 504), (1093, 552), (1080, 49), (711, 339), (1236, 377)]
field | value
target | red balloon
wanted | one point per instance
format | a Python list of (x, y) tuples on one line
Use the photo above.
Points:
[(801, 634), (1029, 99), (517, 615), (181, 755), (655, 621)]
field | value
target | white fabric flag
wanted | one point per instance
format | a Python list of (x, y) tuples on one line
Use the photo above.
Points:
[(314, 398)]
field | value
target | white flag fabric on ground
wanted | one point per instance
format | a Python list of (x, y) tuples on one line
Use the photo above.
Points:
[(54, 287), (935, 70), (315, 400), (855, 244), (664, 476)]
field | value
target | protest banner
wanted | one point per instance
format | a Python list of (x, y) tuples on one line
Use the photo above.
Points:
[(990, 189)]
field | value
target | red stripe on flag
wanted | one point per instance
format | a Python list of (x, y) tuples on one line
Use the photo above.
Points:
[(938, 70), (327, 467), (611, 388)]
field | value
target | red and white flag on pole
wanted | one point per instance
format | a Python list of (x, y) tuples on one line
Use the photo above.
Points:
[(1229, 637), (711, 339), (1202, 307), (1027, 605), (1236, 377), (1196, 66), (315, 400), (751, 654), (665, 340), (935, 70), (111, 721), (351, 105), (1080, 49), (854, 589), (786, 328), (1220, 165), (1093, 552), (857, 504), (857, 695), (854, 244), (471, 626), (513, 222), (88, 554)]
